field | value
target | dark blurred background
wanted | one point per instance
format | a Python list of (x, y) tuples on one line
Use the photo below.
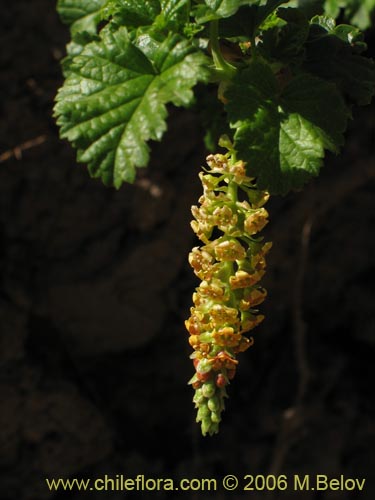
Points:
[(95, 287)]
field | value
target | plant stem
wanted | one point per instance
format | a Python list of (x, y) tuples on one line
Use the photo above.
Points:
[(220, 63), (232, 191)]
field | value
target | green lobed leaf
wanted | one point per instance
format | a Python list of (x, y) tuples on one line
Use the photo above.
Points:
[(131, 13), (176, 12), (113, 100), (246, 21), (284, 42), (170, 14), (217, 9), (280, 131), (81, 15), (334, 53)]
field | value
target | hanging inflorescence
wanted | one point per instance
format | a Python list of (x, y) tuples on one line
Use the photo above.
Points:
[(230, 264)]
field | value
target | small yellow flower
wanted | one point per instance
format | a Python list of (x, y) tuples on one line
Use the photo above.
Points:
[(192, 326), (256, 221), (250, 321), (230, 250), (222, 315), (217, 163), (243, 279), (202, 262), (225, 219), (244, 344), (194, 341), (226, 337), (253, 298), (224, 360), (238, 171), (213, 289)]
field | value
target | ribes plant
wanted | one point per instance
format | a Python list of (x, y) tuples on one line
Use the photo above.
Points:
[(286, 76)]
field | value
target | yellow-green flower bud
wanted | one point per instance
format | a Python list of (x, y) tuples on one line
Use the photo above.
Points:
[(208, 389)]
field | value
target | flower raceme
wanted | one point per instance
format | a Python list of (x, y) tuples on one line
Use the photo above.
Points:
[(230, 264)]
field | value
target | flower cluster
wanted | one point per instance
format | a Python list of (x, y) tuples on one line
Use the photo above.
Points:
[(230, 265)]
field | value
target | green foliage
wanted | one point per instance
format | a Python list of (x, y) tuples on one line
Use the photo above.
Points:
[(162, 14), (357, 12), (83, 18), (114, 97), (334, 53), (218, 9), (136, 13), (286, 82), (81, 15), (246, 21), (284, 37), (280, 130)]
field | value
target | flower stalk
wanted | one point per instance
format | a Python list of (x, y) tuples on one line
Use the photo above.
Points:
[(230, 264)]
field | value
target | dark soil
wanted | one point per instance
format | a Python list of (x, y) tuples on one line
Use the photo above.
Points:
[(95, 287)]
